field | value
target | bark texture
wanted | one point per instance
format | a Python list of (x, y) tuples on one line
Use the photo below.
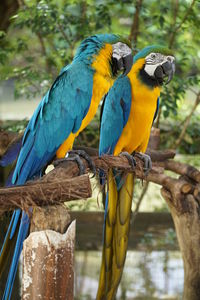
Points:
[(57, 189), (184, 205), (8, 9), (181, 190), (48, 256)]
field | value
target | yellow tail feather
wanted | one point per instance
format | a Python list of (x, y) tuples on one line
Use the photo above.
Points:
[(116, 234)]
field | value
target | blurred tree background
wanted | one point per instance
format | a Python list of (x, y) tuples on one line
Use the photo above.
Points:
[(38, 38)]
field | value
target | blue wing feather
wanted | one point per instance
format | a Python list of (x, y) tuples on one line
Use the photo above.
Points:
[(60, 112), (115, 114)]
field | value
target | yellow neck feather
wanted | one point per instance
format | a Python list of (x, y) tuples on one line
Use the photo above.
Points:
[(136, 67), (135, 135), (101, 62)]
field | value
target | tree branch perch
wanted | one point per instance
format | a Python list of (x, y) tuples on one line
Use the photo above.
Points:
[(63, 183)]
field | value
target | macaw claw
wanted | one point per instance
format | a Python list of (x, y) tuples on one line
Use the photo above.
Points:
[(130, 159), (83, 154), (74, 155), (147, 162), (75, 158)]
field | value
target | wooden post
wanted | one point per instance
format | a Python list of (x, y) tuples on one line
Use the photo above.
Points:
[(48, 256)]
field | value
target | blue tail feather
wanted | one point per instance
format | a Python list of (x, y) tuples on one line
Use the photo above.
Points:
[(17, 214), (23, 230), (7, 233)]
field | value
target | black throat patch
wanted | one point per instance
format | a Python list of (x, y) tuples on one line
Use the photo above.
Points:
[(114, 67), (148, 80)]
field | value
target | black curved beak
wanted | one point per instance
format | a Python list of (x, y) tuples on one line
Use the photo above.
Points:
[(122, 64), (167, 69), (127, 63)]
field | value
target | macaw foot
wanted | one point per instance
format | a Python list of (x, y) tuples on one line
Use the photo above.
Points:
[(75, 158), (75, 155), (82, 153), (130, 159), (147, 162)]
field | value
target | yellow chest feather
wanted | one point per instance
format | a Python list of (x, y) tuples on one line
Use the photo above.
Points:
[(135, 135), (102, 82)]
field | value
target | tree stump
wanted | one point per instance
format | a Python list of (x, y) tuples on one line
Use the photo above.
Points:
[(48, 256)]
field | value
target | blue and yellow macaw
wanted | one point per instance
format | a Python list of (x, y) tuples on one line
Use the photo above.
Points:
[(66, 109), (128, 113)]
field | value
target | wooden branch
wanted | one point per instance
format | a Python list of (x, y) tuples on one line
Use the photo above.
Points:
[(107, 162), (135, 25), (63, 183), (160, 155), (182, 169), (156, 155), (8, 9), (178, 27), (43, 192), (196, 194), (154, 140), (173, 25), (44, 52)]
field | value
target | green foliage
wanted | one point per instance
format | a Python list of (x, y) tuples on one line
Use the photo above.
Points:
[(191, 140), (175, 91), (14, 126), (44, 34)]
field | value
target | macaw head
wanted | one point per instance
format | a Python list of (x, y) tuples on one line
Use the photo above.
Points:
[(106, 52), (157, 65)]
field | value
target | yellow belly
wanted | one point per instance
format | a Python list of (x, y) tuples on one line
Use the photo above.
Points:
[(136, 133), (102, 82)]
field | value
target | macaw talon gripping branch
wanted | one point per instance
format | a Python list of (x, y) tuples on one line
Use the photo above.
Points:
[(147, 161), (130, 159)]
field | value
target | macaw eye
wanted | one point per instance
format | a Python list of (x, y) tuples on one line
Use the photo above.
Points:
[(170, 58), (153, 55)]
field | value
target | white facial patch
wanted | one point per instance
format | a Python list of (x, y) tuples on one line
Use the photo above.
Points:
[(120, 50), (153, 60), (150, 69)]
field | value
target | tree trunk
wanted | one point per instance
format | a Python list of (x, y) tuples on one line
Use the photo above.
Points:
[(8, 9), (186, 215)]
